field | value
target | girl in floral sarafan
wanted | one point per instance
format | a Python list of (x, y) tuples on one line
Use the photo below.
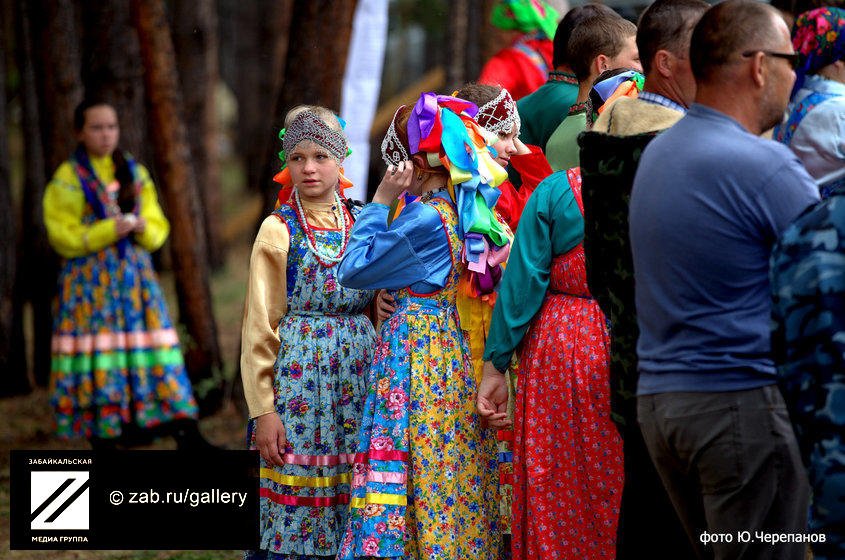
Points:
[(117, 374), (426, 481), (306, 346)]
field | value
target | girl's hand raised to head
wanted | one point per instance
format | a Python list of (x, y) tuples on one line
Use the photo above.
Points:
[(521, 149), (396, 179)]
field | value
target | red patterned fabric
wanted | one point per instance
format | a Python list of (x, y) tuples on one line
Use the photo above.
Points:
[(567, 458), (533, 168), (516, 71)]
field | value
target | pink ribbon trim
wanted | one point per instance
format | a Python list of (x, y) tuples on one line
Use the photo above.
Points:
[(319, 460), (303, 500), (381, 455), (106, 342), (377, 476)]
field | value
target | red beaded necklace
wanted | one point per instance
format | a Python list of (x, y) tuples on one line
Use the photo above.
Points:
[(327, 261)]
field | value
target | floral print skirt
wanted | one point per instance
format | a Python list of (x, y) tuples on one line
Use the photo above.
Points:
[(116, 358), (426, 472), (319, 394), (567, 461)]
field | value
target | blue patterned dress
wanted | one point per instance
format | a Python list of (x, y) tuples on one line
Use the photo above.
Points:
[(326, 348), (426, 483), (116, 358)]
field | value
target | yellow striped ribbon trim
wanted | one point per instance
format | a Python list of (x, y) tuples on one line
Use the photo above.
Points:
[(306, 481), (387, 499)]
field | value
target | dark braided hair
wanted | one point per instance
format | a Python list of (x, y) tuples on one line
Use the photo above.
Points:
[(126, 195)]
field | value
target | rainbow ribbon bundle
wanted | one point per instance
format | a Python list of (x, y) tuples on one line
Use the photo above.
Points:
[(444, 127)]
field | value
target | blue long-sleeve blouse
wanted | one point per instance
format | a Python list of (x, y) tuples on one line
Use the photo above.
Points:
[(413, 251)]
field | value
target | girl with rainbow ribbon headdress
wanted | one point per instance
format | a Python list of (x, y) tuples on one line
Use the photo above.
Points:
[(306, 346), (814, 127), (117, 375), (425, 483)]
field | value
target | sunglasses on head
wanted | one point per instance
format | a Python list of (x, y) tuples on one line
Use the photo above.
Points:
[(792, 58)]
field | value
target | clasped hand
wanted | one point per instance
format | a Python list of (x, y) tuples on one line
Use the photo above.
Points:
[(492, 400)]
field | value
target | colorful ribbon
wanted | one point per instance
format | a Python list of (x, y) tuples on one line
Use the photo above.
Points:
[(443, 127)]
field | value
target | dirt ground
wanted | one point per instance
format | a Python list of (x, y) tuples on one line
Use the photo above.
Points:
[(26, 424)]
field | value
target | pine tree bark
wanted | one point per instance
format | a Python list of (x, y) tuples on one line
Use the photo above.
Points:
[(56, 46), (195, 41), (13, 374), (458, 28), (261, 39), (53, 47), (316, 58), (179, 186), (113, 72)]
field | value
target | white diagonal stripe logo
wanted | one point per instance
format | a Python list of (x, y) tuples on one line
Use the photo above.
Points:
[(59, 500)]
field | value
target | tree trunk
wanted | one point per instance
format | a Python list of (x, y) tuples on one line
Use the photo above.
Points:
[(54, 44), (169, 136), (113, 72), (458, 28), (56, 40), (313, 71), (261, 40), (13, 374), (195, 41)]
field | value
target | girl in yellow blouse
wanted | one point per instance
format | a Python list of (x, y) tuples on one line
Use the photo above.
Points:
[(117, 368)]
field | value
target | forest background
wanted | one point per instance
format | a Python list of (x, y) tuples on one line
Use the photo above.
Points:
[(201, 88)]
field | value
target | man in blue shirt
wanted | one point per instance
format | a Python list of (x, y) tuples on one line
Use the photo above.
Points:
[(709, 200)]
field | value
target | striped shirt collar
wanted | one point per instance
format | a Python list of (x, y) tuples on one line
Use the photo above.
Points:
[(657, 99)]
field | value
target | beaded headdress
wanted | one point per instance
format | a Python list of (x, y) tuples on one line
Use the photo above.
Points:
[(308, 126), (392, 150), (499, 114)]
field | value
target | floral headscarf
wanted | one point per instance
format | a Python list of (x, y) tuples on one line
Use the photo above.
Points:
[(819, 37)]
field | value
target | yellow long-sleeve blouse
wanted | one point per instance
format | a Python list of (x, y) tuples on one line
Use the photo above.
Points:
[(267, 303), (65, 205)]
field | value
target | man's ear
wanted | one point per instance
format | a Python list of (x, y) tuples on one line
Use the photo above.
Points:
[(664, 63), (759, 72), (600, 64)]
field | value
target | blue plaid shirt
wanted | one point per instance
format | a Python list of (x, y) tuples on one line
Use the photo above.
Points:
[(658, 99)]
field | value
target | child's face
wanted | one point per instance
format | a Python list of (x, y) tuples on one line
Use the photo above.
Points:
[(505, 147), (100, 132), (313, 171), (628, 57)]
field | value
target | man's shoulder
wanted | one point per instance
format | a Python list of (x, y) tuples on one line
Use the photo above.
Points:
[(627, 117)]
